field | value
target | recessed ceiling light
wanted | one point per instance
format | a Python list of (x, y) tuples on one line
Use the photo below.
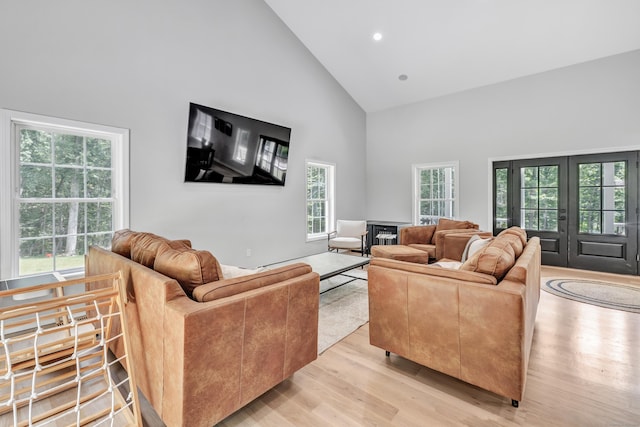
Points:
[(377, 36), (403, 77)]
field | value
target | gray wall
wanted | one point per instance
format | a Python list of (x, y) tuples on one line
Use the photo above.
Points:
[(591, 107), (138, 64)]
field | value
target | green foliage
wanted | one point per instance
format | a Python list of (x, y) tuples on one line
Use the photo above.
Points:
[(316, 199), (65, 192)]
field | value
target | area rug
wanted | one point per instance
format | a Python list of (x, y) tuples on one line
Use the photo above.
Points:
[(603, 294), (342, 310)]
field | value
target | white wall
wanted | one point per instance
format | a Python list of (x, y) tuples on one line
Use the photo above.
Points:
[(589, 107), (138, 64)]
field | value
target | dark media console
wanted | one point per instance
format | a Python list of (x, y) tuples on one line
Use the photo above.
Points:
[(384, 232)]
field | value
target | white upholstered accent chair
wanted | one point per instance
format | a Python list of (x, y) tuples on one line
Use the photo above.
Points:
[(350, 235)]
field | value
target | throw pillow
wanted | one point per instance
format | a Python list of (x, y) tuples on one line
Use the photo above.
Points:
[(121, 242), (474, 244), (495, 259), (190, 267), (144, 247), (231, 271), (451, 265), (517, 236)]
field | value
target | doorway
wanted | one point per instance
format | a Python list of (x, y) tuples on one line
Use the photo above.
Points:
[(584, 208)]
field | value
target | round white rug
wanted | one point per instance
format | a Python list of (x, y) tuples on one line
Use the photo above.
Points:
[(603, 294)]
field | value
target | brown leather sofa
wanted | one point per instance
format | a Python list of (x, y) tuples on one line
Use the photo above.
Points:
[(474, 323), (429, 238), (203, 345)]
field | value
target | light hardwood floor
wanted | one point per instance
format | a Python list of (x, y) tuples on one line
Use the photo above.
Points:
[(584, 370)]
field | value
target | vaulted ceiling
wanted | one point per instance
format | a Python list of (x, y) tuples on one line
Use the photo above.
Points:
[(447, 46)]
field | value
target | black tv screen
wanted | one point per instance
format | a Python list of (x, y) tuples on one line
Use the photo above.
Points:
[(229, 148)]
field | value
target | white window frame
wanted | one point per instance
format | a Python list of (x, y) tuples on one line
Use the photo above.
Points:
[(331, 198), (416, 169), (10, 181)]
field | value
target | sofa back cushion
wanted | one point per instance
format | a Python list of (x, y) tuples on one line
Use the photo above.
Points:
[(121, 242), (190, 267), (452, 224), (417, 234), (144, 247), (496, 258), (517, 237)]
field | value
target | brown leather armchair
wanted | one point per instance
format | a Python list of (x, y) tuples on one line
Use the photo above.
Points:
[(429, 238)]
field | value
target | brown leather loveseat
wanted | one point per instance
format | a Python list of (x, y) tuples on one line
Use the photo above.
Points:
[(474, 323), (204, 345)]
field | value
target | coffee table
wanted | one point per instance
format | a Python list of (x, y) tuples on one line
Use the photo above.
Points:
[(327, 265)]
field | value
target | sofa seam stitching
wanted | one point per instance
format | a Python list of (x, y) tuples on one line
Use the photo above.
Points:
[(244, 327)]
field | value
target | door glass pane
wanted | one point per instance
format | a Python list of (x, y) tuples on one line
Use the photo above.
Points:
[(590, 222), (548, 220), (501, 197), (589, 174), (590, 198), (529, 177), (530, 219), (530, 198), (548, 176), (548, 198)]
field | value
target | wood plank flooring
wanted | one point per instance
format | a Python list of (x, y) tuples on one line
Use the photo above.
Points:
[(584, 370)]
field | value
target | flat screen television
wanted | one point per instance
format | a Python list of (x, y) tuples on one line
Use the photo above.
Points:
[(228, 148)]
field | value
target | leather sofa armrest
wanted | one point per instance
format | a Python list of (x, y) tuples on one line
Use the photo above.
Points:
[(227, 287), (450, 244), (435, 271), (417, 234)]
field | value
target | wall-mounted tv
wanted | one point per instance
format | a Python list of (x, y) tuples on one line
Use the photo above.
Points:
[(229, 148)]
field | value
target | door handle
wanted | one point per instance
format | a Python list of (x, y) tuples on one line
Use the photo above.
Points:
[(562, 217)]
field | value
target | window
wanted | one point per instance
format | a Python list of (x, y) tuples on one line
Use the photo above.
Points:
[(64, 188), (539, 197), (602, 198), (435, 192), (320, 199)]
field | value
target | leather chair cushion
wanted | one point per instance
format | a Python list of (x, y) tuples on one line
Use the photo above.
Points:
[(517, 237), (417, 234), (190, 267), (144, 247), (430, 249), (496, 258), (121, 242), (452, 224)]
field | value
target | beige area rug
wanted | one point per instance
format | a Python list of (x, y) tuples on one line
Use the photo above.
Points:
[(342, 310), (604, 294)]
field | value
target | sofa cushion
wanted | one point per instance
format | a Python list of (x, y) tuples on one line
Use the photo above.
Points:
[(452, 224), (496, 258), (417, 234), (517, 238), (144, 247), (429, 249), (121, 242), (190, 267), (474, 244)]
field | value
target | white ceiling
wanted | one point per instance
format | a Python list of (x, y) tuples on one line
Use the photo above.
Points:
[(447, 46)]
